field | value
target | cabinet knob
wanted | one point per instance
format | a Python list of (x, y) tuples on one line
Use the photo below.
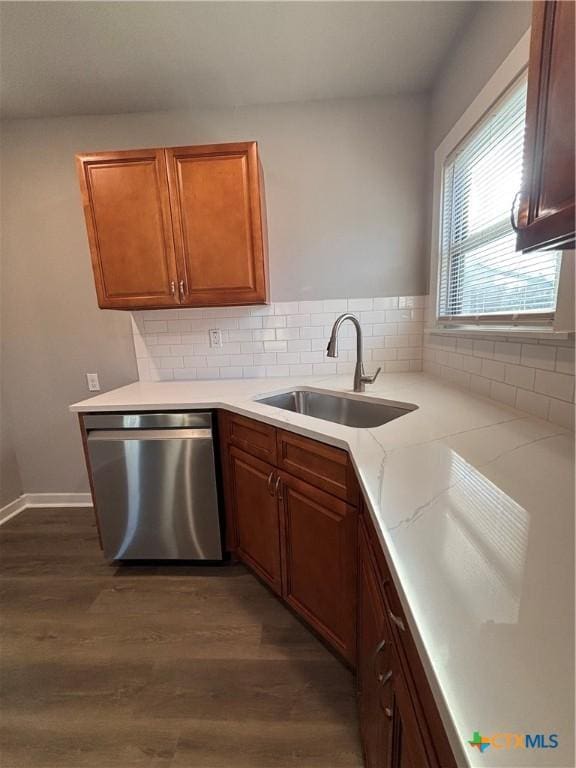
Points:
[(173, 288), (181, 286), (388, 712)]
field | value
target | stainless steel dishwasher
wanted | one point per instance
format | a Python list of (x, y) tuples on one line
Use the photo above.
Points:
[(154, 481)]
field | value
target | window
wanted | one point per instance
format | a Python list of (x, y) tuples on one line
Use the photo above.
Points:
[(482, 277)]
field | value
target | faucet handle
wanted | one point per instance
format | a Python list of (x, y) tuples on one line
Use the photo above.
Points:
[(371, 379)]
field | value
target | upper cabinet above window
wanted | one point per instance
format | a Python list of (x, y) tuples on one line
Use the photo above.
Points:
[(176, 227), (546, 217)]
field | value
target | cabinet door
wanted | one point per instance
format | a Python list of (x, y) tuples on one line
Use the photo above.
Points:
[(547, 211), (256, 515), (374, 665), (127, 210), (320, 562), (215, 193)]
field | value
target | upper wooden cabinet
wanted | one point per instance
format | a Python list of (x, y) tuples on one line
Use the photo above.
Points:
[(127, 209), (546, 217), (218, 228), (176, 227)]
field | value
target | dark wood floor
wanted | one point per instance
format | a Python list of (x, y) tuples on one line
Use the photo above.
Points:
[(155, 667)]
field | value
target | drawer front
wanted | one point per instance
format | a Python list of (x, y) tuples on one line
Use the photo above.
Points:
[(320, 465), (252, 436), (432, 734)]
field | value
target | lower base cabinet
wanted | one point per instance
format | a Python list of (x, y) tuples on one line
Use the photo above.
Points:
[(320, 561), (380, 739), (301, 533), (256, 516)]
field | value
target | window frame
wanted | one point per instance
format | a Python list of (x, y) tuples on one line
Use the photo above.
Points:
[(562, 319)]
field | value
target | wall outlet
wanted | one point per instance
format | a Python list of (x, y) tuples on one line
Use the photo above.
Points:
[(215, 335), (93, 383)]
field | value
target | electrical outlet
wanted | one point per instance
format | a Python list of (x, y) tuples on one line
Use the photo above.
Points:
[(93, 383), (215, 335)]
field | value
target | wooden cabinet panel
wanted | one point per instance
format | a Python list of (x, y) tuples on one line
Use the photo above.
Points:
[(320, 562), (218, 228), (256, 515), (374, 663), (252, 436), (127, 211), (324, 466), (422, 733), (546, 217)]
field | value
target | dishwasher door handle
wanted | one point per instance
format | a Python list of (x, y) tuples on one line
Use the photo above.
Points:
[(149, 434)]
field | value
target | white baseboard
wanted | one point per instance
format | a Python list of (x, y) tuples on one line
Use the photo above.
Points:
[(28, 500)]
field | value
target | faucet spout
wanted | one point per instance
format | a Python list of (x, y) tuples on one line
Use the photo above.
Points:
[(360, 378)]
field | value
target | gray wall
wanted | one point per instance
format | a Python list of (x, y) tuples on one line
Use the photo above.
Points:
[(482, 45), (485, 41), (10, 481), (345, 194)]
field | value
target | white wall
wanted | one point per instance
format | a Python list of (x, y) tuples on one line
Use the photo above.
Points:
[(345, 195)]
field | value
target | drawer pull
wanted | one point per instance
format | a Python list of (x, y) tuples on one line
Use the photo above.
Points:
[(388, 712), (270, 479), (377, 651), (385, 678), (278, 489), (397, 620)]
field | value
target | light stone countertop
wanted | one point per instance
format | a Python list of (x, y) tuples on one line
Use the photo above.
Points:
[(474, 505)]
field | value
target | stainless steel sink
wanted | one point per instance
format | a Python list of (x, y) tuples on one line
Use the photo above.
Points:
[(353, 412)]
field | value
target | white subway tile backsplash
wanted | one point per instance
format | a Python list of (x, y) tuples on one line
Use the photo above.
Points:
[(535, 376), (493, 370), (249, 322), (275, 346), (538, 356), (391, 302), (285, 334), (565, 360), (274, 321), (297, 321), (558, 385), (504, 393), (532, 403), (520, 376), (335, 305), (281, 339), (286, 307), (302, 369), (300, 345), (252, 346), (360, 305), (309, 307), (506, 352), (562, 413)]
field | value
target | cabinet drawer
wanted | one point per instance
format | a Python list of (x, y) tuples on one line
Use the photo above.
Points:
[(252, 436), (417, 689), (321, 465)]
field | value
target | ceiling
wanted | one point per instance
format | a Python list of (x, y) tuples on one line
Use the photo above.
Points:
[(71, 58)]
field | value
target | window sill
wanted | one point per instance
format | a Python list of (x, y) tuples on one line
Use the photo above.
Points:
[(516, 331)]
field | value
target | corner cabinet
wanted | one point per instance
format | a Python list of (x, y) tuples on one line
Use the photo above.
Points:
[(546, 216), (295, 536), (295, 516), (178, 227)]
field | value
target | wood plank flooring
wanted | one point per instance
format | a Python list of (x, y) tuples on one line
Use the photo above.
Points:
[(155, 666)]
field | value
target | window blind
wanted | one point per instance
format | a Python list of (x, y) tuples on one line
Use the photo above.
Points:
[(482, 276)]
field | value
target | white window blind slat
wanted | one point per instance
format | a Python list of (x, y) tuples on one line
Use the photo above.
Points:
[(481, 273)]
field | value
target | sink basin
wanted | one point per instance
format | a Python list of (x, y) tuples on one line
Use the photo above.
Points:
[(341, 409)]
